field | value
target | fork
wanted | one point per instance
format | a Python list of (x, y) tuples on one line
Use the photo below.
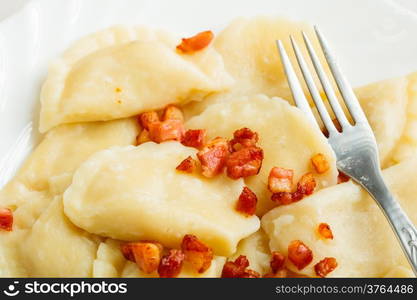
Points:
[(355, 146)]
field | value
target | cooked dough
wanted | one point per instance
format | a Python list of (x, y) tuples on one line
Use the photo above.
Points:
[(285, 135), (364, 244), (109, 261), (407, 145), (146, 198), (385, 103), (251, 56), (56, 248), (215, 270), (256, 249), (121, 79), (10, 261), (64, 148)]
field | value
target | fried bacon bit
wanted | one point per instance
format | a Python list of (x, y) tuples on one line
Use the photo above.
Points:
[(197, 42), (213, 157), (307, 184), (325, 231), (243, 138), (247, 202), (238, 269), (147, 118), (277, 261), (168, 130), (299, 254), (198, 254), (342, 177), (325, 266), (305, 187), (280, 180), (188, 165), (244, 162), (172, 112), (6, 219), (194, 138), (171, 264), (285, 198), (250, 274), (147, 255), (320, 163), (143, 137)]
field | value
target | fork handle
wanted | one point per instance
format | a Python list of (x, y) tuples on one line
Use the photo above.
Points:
[(404, 229)]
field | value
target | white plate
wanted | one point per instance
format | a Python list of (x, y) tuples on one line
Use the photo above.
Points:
[(374, 39)]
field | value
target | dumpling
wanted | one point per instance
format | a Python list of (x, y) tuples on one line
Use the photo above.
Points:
[(256, 249), (288, 139), (123, 77), (10, 261), (250, 54), (131, 270), (364, 244), (109, 260), (54, 247), (384, 104), (146, 198), (64, 148), (407, 145)]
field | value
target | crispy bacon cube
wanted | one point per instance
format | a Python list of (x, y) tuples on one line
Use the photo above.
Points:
[(168, 130), (143, 137), (188, 165), (305, 187), (195, 43), (325, 266), (235, 269), (171, 264), (243, 138), (247, 202), (194, 138), (213, 157), (172, 112), (147, 255), (6, 219), (244, 162), (277, 261), (306, 184), (320, 163), (342, 177), (280, 180), (325, 231), (147, 118), (250, 274), (283, 198), (299, 254), (198, 254)]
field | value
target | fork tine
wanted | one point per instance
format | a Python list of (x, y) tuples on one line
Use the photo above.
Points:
[(334, 103), (345, 88), (324, 114), (296, 89)]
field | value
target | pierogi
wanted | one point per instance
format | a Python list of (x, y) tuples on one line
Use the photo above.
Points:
[(364, 244), (122, 79), (133, 175), (139, 189), (282, 129)]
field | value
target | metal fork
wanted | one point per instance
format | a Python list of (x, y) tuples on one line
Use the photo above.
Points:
[(355, 147)]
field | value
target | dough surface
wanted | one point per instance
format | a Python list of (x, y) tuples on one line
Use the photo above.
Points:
[(146, 198), (285, 135), (364, 244)]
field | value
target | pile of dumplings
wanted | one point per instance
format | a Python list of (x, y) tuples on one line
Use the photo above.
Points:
[(88, 187)]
